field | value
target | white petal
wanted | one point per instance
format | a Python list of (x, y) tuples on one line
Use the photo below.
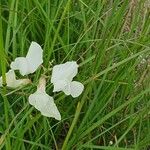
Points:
[(73, 88), (43, 102), (76, 88), (34, 56), (20, 64), (32, 100), (12, 82), (50, 110), (31, 62), (60, 85), (67, 89), (10, 78), (64, 71)]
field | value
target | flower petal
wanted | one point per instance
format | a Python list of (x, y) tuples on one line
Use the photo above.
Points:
[(66, 71), (45, 104), (67, 89), (11, 80), (20, 64), (34, 56), (60, 85), (76, 88), (31, 62)]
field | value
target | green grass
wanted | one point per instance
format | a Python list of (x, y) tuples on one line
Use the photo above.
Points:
[(110, 40)]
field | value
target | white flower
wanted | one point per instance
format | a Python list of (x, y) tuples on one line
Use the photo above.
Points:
[(43, 102), (11, 80), (62, 76), (31, 62)]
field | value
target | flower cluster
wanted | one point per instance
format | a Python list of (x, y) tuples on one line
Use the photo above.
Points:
[(62, 79)]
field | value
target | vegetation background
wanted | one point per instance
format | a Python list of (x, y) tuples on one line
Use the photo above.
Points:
[(110, 39)]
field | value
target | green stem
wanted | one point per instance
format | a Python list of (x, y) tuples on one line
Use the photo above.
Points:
[(77, 114)]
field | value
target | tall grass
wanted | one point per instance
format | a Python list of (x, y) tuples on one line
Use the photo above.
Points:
[(111, 42)]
